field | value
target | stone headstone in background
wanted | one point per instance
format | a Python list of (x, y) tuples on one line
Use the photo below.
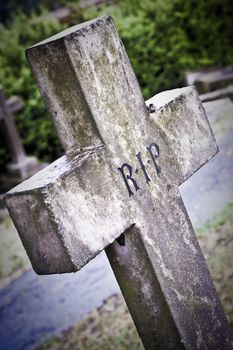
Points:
[(119, 180), (218, 94), (21, 165), (96, 3), (210, 79)]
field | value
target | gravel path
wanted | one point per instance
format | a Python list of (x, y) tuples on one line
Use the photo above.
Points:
[(33, 307)]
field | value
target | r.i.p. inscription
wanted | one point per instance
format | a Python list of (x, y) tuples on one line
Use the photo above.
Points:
[(129, 171)]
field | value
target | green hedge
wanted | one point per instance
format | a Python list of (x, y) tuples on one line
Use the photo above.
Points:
[(163, 38)]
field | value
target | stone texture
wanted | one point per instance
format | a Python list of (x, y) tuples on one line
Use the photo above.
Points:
[(180, 111), (129, 186), (140, 288), (72, 212), (217, 79), (13, 104)]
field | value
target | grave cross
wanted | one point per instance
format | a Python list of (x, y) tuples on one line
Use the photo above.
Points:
[(117, 187), (6, 110), (21, 165)]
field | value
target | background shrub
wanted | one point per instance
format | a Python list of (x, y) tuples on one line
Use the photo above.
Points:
[(165, 38)]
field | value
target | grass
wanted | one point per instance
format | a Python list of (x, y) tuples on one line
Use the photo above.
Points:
[(216, 240), (13, 258), (111, 327)]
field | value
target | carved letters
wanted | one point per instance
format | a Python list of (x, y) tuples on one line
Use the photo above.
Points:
[(126, 169)]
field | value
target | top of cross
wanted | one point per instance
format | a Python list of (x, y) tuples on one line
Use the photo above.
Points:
[(71, 30)]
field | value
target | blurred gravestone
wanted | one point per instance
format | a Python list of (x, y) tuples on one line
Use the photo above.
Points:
[(210, 79), (117, 187), (96, 3), (218, 94), (21, 166)]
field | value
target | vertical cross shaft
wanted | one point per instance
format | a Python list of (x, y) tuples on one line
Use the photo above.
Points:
[(142, 292)]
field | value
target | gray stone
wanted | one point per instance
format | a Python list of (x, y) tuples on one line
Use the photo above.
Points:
[(218, 94), (90, 3), (211, 79), (59, 198), (13, 104), (192, 76), (119, 180)]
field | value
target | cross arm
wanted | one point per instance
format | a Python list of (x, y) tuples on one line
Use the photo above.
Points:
[(183, 123), (66, 213), (13, 104)]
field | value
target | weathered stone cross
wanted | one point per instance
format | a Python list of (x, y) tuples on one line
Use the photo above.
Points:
[(117, 187)]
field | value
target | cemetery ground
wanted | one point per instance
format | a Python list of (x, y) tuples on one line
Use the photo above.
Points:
[(13, 258), (110, 326)]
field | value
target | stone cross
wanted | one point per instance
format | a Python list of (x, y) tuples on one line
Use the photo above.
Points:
[(21, 165), (116, 188)]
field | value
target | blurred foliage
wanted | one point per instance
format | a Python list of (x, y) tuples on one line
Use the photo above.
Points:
[(163, 38), (10, 7)]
